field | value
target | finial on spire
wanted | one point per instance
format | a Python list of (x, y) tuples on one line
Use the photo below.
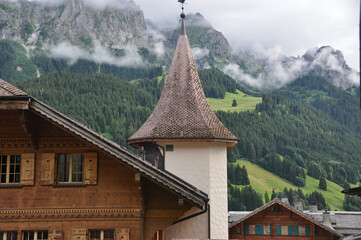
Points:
[(183, 29), (182, 14)]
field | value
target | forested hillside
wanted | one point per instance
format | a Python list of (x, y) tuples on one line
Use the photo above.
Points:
[(304, 136), (283, 135), (109, 105)]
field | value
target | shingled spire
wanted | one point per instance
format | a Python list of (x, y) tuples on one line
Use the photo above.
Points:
[(183, 111)]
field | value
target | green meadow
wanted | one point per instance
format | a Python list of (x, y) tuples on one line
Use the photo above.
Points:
[(262, 181), (244, 102)]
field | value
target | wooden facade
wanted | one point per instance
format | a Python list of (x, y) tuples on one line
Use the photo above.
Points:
[(56, 184), (279, 221)]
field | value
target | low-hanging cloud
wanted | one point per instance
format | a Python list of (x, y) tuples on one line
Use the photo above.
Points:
[(157, 38), (99, 54), (199, 53), (279, 70)]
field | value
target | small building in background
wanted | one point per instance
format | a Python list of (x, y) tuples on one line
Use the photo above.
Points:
[(278, 220)]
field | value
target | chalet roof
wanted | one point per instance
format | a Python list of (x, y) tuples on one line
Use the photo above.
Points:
[(183, 111), (8, 90), (279, 202), (344, 222), (123, 155)]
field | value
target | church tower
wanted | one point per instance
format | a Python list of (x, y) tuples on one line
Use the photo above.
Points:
[(183, 136)]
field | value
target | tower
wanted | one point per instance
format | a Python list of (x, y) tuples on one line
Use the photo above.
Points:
[(183, 136)]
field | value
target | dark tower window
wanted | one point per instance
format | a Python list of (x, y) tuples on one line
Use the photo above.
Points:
[(169, 148)]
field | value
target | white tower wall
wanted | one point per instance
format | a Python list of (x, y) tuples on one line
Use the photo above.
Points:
[(204, 165)]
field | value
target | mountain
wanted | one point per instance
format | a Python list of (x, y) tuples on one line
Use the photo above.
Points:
[(72, 20), (209, 45)]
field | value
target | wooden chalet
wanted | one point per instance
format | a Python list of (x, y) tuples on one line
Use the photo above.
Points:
[(277, 220), (61, 180)]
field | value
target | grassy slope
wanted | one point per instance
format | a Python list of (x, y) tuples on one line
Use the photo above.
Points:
[(244, 103), (262, 180)]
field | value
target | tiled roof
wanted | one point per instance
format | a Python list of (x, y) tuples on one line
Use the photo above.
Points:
[(183, 111), (8, 90)]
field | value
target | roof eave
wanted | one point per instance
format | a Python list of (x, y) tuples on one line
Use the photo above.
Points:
[(231, 142), (22, 97)]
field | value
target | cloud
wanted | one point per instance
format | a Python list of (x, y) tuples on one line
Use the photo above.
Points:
[(279, 70), (157, 38), (100, 54), (199, 53)]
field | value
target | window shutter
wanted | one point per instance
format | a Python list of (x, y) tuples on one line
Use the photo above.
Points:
[(278, 229), (90, 168), (55, 234), (79, 234), (307, 230), (295, 229), (290, 230), (27, 167), (47, 169), (122, 234)]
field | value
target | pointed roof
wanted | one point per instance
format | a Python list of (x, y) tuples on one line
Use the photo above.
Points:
[(183, 111)]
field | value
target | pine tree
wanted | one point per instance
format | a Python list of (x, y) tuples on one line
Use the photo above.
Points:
[(322, 184), (273, 196), (266, 197), (234, 103), (245, 179)]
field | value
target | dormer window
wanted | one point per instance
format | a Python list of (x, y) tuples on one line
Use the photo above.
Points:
[(10, 169)]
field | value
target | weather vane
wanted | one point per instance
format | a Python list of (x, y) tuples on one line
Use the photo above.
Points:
[(182, 14)]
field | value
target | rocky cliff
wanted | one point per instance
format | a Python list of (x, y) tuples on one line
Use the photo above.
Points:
[(74, 21)]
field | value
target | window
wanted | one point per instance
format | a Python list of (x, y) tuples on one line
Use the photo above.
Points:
[(35, 235), (10, 169), (101, 234), (70, 168), (295, 230), (246, 229), (9, 235), (271, 230), (238, 230), (169, 148), (307, 230), (259, 229)]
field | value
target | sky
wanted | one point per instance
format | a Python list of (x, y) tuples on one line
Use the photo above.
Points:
[(294, 26)]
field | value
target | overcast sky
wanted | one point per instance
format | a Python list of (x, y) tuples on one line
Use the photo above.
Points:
[(293, 25)]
